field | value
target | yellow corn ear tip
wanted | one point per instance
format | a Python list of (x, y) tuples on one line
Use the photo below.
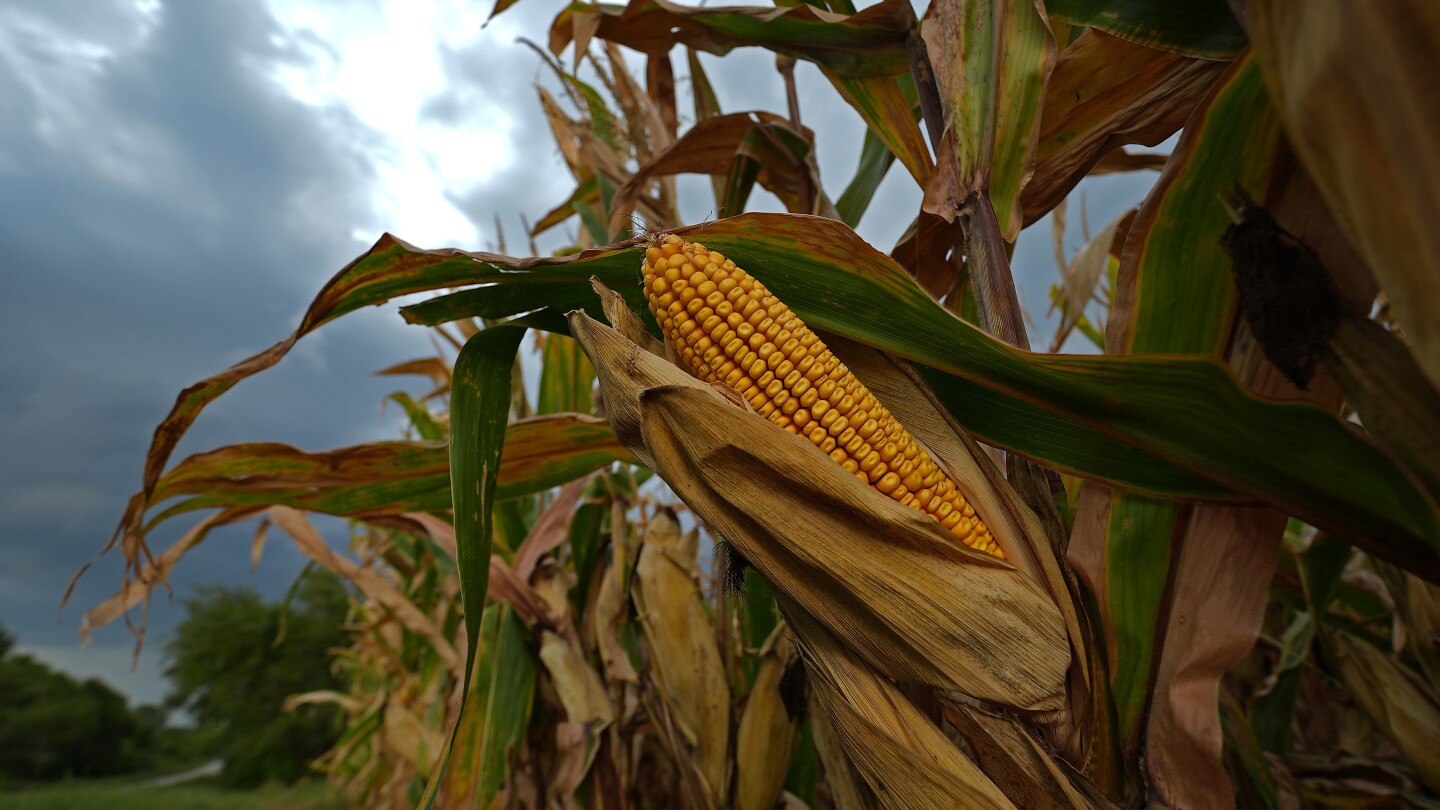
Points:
[(729, 329)]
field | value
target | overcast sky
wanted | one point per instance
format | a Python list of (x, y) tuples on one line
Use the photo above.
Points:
[(178, 179)]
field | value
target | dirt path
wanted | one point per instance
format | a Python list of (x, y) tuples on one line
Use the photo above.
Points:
[(211, 768)]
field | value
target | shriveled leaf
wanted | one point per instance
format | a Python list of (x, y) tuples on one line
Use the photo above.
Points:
[(709, 147), (885, 578), (138, 587), (383, 477), (581, 691), (1104, 93), (608, 613), (1083, 273), (1018, 764), (432, 367), (409, 737), (849, 790), (1356, 88), (1204, 28)]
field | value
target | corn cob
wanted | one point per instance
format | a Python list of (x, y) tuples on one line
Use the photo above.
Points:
[(730, 330)]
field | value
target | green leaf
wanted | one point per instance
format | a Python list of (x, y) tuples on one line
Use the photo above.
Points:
[(566, 377), (1183, 412), (587, 193), (383, 478), (758, 615), (479, 410), (495, 714), (1172, 253), (420, 417), (991, 60), (1140, 546), (1204, 28), (875, 161), (1320, 568), (868, 43)]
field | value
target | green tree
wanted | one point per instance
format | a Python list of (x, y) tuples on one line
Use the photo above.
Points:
[(53, 726), (235, 659)]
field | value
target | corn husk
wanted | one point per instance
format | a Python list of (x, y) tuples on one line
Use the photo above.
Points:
[(908, 763), (689, 672), (1019, 765), (885, 579), (848, 789), (1396, 701), (766, 737)]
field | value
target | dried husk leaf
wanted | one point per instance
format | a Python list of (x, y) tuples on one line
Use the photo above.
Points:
[(906, 760), (690, 673), (1017, 528), (1419, 603), (413, 740), (1395, 700), (886, 579), (608, 613), (846, 787), (766, 737), (581, 691), (588, 713), (1018, 764)]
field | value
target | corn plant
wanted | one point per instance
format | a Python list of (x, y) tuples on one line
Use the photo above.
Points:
[(794, 520)]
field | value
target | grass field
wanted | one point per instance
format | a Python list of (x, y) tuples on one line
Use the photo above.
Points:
[(112, 795)]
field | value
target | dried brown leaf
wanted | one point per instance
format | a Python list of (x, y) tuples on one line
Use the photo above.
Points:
[(368, 581), (1104, 93)]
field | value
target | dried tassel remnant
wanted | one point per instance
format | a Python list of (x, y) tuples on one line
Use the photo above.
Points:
[(729, 329)]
